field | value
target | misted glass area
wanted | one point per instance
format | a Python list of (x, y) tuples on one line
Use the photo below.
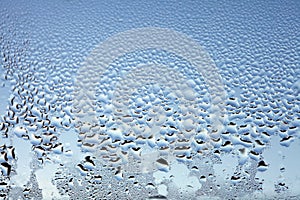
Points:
[(149, 99)]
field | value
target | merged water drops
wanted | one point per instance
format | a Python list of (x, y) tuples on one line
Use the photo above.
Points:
[(170, 121)]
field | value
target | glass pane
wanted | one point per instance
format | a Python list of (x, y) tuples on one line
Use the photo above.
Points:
[(149, 100)]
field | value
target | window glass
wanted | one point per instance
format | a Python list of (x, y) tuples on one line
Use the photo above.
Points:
[(149, 100)]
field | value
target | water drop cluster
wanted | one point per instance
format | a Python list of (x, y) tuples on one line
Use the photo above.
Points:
[(153, 112)]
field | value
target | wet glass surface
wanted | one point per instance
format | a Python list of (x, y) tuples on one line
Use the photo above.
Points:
[(149, 100)]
